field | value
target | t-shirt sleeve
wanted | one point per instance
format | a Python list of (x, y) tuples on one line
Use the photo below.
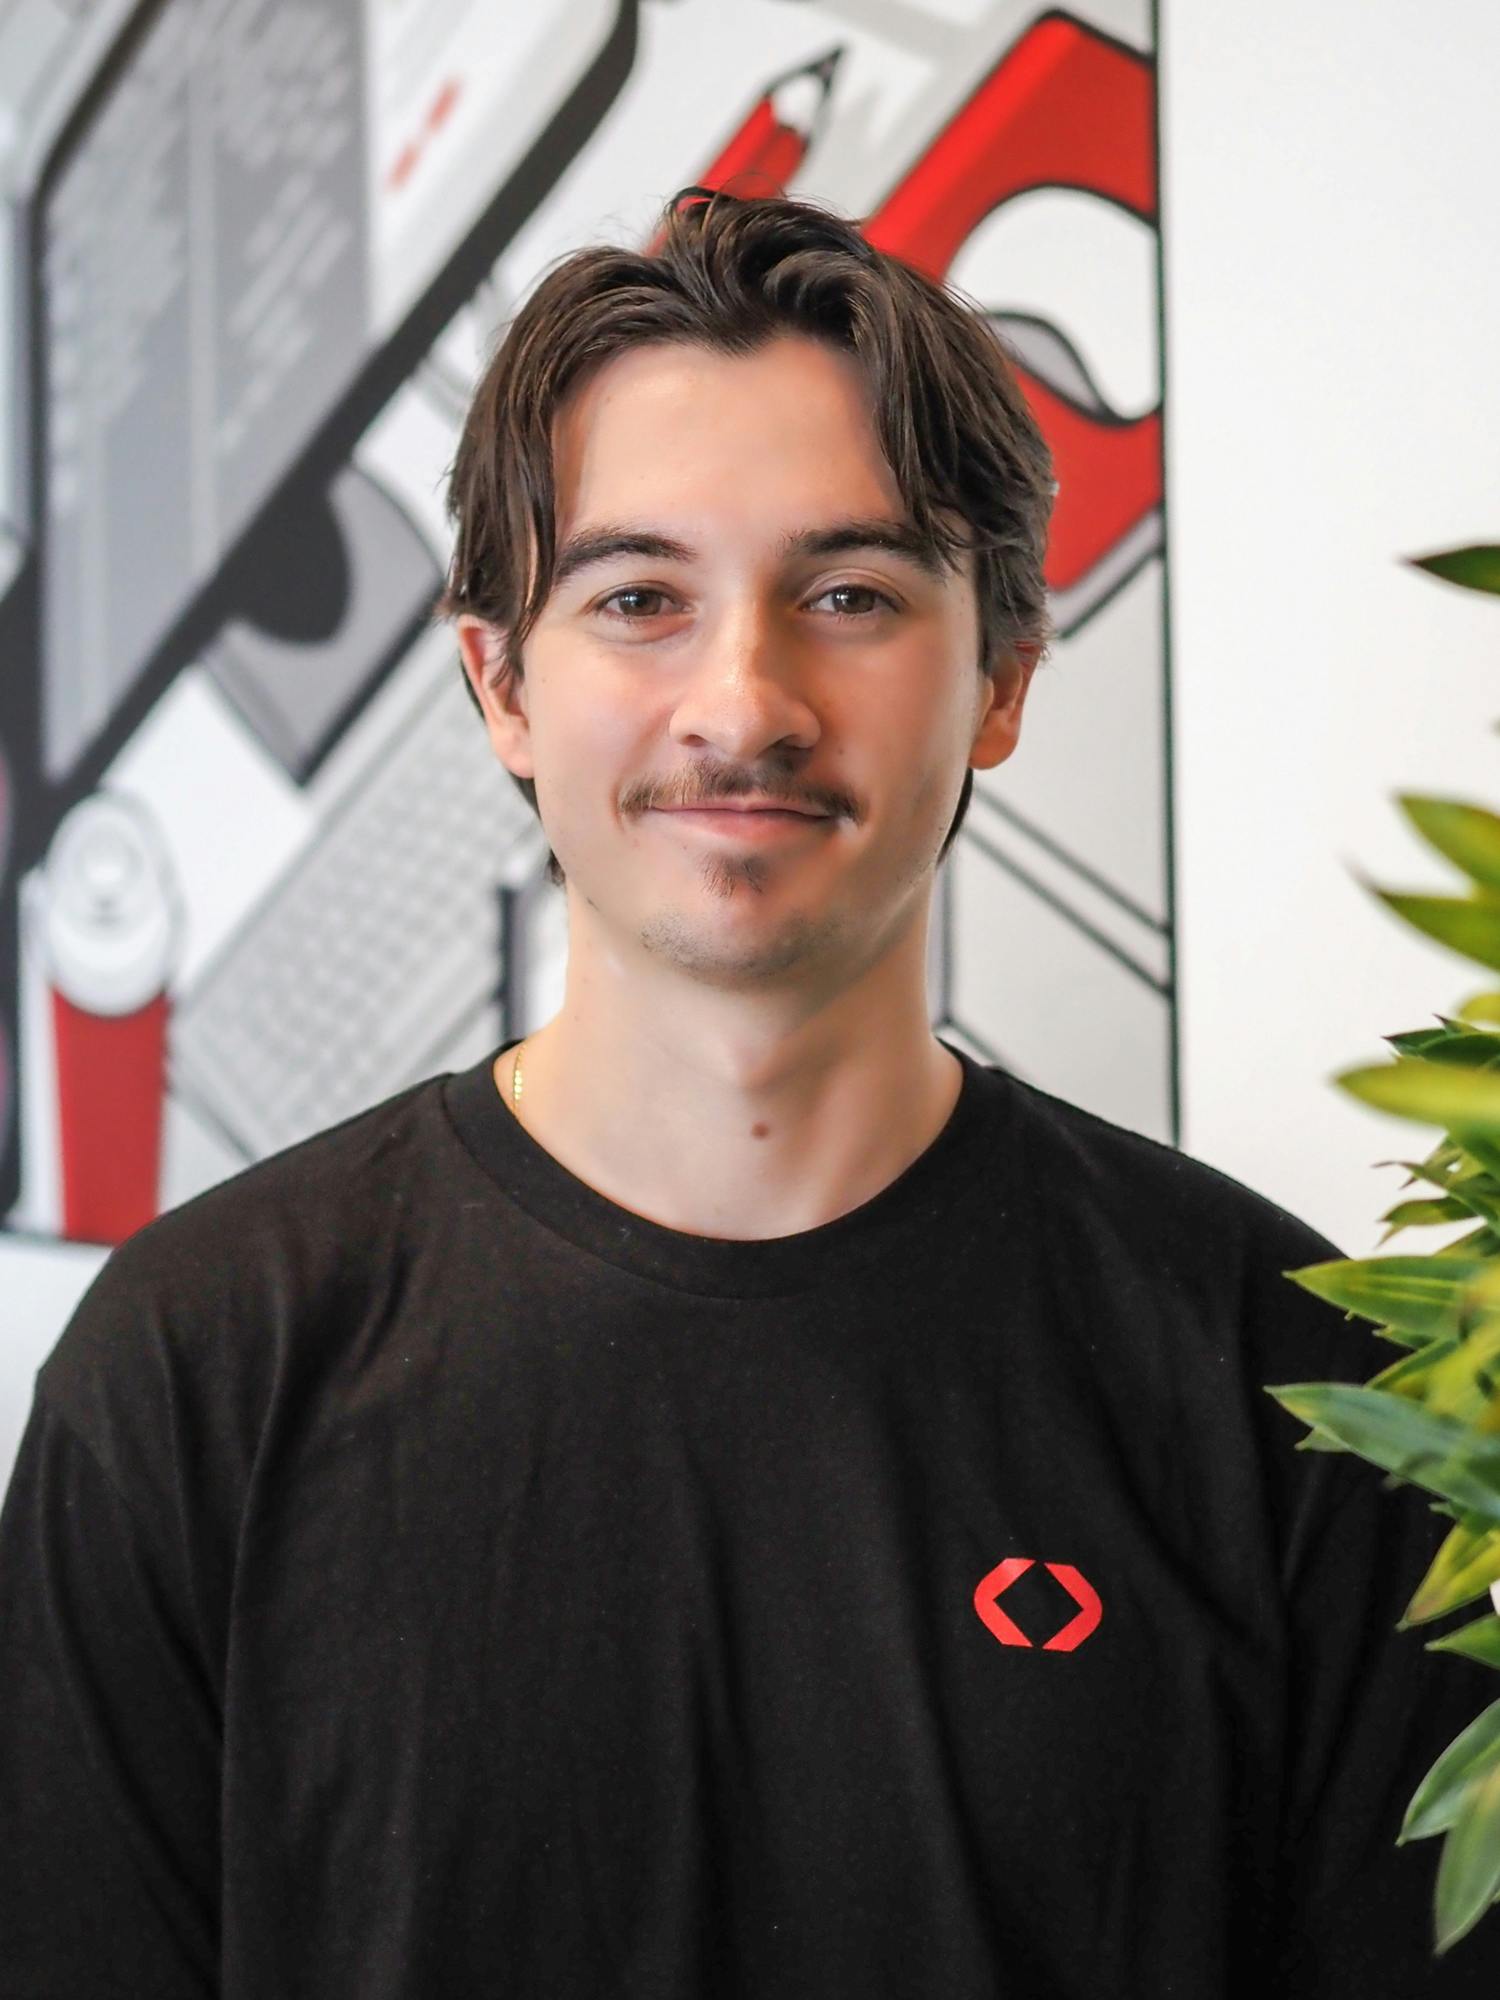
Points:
[(109, 1743), (1369, 1709)]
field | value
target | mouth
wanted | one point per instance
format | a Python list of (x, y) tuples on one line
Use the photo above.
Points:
[(780, 812), (744, 822)]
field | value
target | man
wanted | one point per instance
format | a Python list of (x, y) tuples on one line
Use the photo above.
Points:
[(729, 1496)]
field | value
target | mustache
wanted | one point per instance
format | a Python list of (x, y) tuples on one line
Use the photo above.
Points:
[(700, 790)]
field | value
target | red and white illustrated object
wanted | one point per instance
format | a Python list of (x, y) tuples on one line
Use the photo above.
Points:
[(109, 924), (1066, 107)]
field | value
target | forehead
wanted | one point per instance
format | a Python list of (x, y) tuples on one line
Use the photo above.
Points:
[(787, 429)]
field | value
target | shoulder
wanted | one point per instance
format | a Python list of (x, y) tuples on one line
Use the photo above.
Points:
[(1162, 1225), (1166, 1194), (189, 1322)]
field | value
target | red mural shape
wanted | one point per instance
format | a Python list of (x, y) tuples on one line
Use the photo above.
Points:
[(1064, 107)]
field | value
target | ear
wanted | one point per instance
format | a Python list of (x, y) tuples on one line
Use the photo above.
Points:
[(500, 693), (999, 727)]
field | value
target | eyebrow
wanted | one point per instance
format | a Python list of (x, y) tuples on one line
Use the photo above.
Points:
[(591, 546)]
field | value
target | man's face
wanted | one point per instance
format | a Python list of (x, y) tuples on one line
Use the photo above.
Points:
[(726, 660)]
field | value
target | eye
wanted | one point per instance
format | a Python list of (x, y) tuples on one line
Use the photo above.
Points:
[(856, 590), (655, 597), (630, 590)]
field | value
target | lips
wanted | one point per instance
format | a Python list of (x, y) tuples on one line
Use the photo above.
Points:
[(718, 805), (743, 826)]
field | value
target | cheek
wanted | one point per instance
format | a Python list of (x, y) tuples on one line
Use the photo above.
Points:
[(918, 749), (928, 804), (588, 756)]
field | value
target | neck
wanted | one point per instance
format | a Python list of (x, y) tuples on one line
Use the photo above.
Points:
[(727, 1122)]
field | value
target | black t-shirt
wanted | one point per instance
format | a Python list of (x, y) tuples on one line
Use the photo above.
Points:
[(424, 1577)]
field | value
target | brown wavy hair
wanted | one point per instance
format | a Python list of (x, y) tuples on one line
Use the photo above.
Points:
[(728, 274)]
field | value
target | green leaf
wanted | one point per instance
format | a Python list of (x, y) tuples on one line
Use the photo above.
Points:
[(1458, 1378), (1481, 1007), (1437, 1453), (1407, 1376), (1479, 1640), (1479, 1194), (1468, 835), (1463, 1568), (1474, 568), (1420, 1214), (1451, 1042), (1465, 1383), (1468, 1877), (1420, 1295), (1430, 1170), (1472, 1755), (1432, 1093), (1483, 1149), (1415, 1041), (1437, 1166), (1465, 924), (1399, 1339)]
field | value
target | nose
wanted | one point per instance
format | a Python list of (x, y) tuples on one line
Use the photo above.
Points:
[(741, 693)]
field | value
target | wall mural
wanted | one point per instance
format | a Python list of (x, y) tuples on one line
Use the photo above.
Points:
[(260, 866)]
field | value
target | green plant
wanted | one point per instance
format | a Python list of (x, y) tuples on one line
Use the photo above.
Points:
[(1432, 1418)]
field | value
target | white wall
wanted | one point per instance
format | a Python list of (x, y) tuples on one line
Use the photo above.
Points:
[(1332, 322)]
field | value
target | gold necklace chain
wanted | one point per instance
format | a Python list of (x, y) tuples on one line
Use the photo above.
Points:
[(515, 1080)]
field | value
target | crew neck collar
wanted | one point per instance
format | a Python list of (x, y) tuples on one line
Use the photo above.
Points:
[(918, 1201)]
